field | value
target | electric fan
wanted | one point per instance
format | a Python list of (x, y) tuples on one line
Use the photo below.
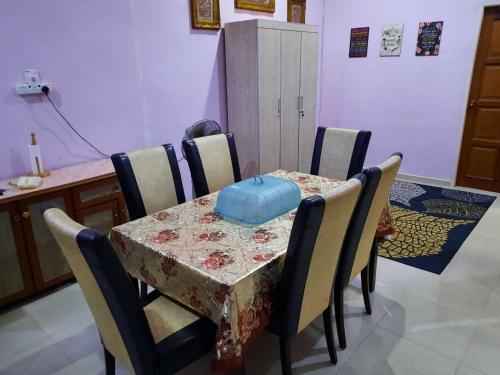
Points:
[(201, 129)]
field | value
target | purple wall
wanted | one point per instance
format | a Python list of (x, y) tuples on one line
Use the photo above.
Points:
[(412, 104), (127, 74), (132, 73)]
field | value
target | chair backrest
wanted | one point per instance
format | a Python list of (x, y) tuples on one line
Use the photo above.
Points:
[(356, 226), (314, 248), (213, 162), (108, 290), (339, 153), (150, 179), (387, 171)]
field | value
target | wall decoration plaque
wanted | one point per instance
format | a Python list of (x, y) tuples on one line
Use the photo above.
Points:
[(259, 5), (358, 46), (392, 37), (297, 11), (205, 14), (429, 38)]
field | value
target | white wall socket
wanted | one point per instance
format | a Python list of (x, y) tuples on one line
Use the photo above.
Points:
[(33, 83)]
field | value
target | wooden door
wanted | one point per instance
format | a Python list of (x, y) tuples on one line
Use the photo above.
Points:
[(15, 272), (269, 41), (47, 261), (290, 90), (307, 101), (479, 165)]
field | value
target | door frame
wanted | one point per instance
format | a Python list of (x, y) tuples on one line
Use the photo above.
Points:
[(470, 75)]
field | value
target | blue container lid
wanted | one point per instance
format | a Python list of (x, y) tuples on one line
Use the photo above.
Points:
[(258, 199)]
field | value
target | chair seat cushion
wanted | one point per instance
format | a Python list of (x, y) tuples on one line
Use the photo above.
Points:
[(186, 345), (165, 317), (180, 335)]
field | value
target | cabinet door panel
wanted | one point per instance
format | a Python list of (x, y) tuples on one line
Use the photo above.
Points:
[(100, 218), (308, 92), (269, 95), (15, 277), (48, 262), (290, 88), (98, 192)]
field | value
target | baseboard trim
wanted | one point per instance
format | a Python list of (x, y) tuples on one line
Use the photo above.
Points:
[(424, 180), (440, 183)]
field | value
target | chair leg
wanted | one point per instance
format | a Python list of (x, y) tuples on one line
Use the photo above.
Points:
[(330, 340), (365, 286), (373, 264), (144, 289), (286, 357), (338, 301), (135, 283), (109, 362)]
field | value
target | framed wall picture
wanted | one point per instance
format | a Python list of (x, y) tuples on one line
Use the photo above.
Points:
[(205, 14), (358, 45), (297, 11), (392, 37), (429, 38), (259, 5)]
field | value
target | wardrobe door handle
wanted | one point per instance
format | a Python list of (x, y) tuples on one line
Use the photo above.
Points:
[(302, 113), (300, 102), (279, 107)]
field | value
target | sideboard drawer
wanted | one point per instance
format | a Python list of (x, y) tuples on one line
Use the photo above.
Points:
[(95, 193)]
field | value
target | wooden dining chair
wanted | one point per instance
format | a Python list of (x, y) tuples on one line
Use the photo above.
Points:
[(213, 162), (150, 180), (149, 336), (339, 153), (359, 252), (305, 287)]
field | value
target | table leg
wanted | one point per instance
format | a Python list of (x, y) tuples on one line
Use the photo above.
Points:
[(135, 283), (144, 289)]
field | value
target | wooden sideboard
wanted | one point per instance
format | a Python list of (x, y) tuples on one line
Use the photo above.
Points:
[(30, 260)]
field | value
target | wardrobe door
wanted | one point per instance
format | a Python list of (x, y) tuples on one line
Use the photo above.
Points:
[(269, 42), (290, 88), (307, 99)]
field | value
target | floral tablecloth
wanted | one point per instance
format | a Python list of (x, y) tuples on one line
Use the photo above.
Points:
[(222, 269), (385, 227)]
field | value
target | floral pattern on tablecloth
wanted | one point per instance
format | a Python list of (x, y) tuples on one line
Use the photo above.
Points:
[(221, 268), (385, 227)]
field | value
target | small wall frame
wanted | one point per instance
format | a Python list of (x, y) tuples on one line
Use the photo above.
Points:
[(258, 5), (297, 11), (205, 14)]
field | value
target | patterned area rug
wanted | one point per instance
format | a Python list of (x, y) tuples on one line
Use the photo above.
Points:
[(430, 224)]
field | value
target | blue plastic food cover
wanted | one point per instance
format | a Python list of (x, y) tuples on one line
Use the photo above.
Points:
[(258, 199)]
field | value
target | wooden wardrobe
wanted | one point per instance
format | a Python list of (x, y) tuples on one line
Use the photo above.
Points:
[(271, 73)]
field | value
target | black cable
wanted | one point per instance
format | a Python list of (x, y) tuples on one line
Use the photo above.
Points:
[(45, 89)]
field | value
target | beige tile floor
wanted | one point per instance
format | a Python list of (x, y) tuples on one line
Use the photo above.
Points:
[(421, 324)]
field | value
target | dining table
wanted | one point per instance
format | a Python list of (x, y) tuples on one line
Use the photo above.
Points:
[(218, 267)]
